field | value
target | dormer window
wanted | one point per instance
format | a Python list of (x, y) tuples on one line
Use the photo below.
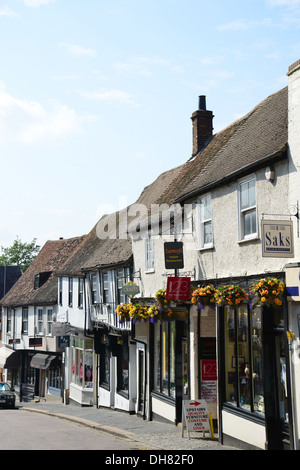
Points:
[(41, 278)]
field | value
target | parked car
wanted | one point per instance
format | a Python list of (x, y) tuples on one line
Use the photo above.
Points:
[(7, 396)]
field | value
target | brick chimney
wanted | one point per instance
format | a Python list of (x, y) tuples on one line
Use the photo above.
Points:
[(202, 126)]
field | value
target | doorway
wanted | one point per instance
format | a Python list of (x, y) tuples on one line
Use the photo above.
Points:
[(278, 415), (141, 382)]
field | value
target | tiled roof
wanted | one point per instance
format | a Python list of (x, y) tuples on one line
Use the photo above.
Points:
[(261, 133), (52, 256)]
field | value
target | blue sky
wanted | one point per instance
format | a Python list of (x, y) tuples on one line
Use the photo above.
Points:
[(96, 96)]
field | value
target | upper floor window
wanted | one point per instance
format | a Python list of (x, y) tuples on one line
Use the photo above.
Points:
[(149, 253), (49, 321), (94, 289), (70, 301), (120, 282), (247, 208), (80, 292), (8, 321), (60, 291), (40, 321), (25, 320), (205, 226), (105, 293)]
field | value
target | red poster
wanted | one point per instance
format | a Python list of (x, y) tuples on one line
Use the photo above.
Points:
[(178, 288), (209, 369)]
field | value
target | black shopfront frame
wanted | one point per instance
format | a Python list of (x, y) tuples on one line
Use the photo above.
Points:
[(278, 437)]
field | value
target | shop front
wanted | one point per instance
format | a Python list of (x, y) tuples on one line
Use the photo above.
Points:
[(254, 379), (169, 377), (82, 370)]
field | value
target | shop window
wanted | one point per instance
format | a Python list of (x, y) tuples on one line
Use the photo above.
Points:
[(82, 362), (243, 358), (105, 367), (123, 366), (164, 358)]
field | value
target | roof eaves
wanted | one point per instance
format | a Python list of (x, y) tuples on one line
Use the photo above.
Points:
[(281, 154)]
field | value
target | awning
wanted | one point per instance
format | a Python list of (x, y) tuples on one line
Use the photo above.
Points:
[(9, 359), (43, 361)]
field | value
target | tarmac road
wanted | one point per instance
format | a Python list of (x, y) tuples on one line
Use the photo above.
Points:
[(21, 430)]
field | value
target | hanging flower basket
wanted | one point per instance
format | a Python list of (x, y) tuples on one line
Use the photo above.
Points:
[(230, 295), (138, 312), (123, 312), (132, 312), (160, 298), (204, 296), (266, 292)]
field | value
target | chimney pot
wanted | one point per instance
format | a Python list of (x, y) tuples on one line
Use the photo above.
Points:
[(202, 102)]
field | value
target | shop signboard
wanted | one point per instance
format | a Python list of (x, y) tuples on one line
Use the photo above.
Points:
[(277, 238), (173, 255), (130, 289), (196, 417), (178, 288)]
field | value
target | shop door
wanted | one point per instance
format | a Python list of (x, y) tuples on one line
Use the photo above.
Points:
[(277, 384), (141, 381)]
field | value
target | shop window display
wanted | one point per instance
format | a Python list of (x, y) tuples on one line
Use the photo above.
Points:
[(243, 361), (82, 362), (164, 358)]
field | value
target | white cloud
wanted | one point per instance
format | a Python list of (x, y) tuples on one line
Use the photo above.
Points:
[(28, 122), (110, 96), (288, 3), (37, 3), (75, 49), (243, 25), (6, 11)]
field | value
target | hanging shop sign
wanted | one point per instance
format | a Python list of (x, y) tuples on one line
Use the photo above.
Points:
[(196, 417), (130, 288), (277, 238), (178, 288), (64, 341), (173, 255), (35, 342)]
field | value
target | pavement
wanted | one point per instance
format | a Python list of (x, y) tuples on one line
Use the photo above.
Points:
[(151, 435)]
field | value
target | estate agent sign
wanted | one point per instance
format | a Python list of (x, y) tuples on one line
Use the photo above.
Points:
[(277, 238)]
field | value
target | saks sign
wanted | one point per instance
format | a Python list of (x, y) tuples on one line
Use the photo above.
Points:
[(277, 238)]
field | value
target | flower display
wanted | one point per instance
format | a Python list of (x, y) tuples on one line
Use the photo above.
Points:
[(204, 296), (160, 297), (123, 312), (231, 295), (267, 291), (131, 312)]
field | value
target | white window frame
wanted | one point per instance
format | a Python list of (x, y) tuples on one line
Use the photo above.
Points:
[(203, 221), (8, 321), (40, 320), (49, 321), (25, 320), (242, 211), (149, 254)]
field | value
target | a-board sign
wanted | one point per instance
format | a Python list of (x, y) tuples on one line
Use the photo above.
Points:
[(196, 416)]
